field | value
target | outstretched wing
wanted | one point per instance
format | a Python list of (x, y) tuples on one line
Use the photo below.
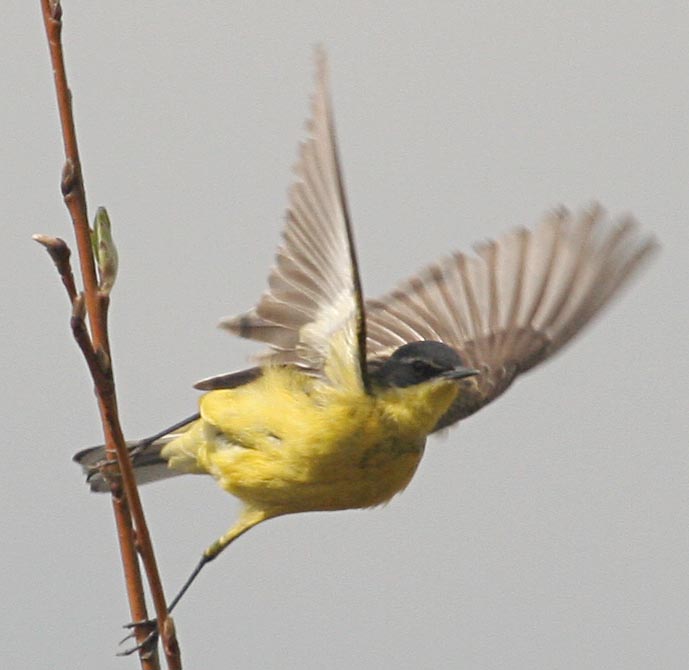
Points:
[(312, 313), (513, 304)]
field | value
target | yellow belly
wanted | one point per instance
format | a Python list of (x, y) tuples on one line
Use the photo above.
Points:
[(285, 443)]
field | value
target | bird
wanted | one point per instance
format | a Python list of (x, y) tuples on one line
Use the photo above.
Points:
[(336, 413)]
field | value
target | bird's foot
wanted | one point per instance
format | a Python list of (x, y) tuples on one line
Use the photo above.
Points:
[(147, 645)]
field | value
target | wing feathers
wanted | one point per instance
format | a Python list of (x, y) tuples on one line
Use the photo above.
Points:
[(313, 302), (515, 303), (509, 306)]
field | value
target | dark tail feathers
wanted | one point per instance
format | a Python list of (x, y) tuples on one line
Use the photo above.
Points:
[(149, 466)]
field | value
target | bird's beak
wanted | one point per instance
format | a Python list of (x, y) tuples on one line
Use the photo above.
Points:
[(460, 372)]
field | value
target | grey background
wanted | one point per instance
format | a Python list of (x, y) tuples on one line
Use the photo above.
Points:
[(549, 531)]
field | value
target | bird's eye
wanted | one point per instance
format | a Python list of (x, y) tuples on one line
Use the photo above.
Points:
[(423, 368)]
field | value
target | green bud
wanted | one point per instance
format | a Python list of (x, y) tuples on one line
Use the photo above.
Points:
[(104, 251)]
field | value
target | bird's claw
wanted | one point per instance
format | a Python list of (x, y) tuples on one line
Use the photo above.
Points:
[(146, 645)]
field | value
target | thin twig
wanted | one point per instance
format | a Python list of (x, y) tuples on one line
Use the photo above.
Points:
[(133, 536), (60, 253)]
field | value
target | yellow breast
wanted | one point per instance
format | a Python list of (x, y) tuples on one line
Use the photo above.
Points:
[(287, 443)]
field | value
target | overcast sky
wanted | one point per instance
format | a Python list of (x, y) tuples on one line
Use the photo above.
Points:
[(549, 531)]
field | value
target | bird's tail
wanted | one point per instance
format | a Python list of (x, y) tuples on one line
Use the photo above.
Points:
[(149, 465)]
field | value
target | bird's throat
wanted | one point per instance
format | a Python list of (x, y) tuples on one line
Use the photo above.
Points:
[(417, 409)]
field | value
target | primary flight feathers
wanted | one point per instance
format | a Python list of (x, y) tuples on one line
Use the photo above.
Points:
[(513, 304), (315, 291), (505, 309)]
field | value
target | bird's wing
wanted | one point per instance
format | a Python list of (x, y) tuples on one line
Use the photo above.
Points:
[(229, 380), (513, 304), (311, 315)]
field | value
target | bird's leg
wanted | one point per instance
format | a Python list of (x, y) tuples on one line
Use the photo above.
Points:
[(248, 519)]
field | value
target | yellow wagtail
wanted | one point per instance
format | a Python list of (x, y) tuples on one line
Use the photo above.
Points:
[(337, 414)]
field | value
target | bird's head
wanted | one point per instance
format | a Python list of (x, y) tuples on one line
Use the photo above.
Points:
[(419, 362)]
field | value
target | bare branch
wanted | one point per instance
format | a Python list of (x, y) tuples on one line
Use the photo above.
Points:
[(93, 304)]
